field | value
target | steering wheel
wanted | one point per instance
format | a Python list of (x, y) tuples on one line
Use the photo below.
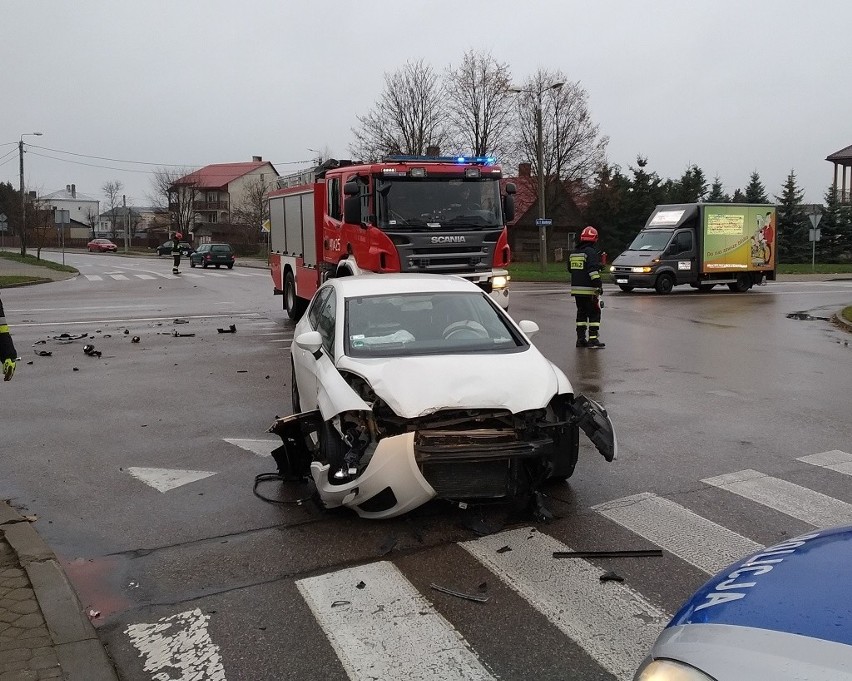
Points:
[(465, 330)]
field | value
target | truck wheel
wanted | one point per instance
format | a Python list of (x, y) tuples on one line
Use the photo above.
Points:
[(625, 288), (742, 284), (665, 284), (294, 305)]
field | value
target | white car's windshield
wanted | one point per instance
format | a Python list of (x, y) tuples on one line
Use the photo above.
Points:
[(424, 324)]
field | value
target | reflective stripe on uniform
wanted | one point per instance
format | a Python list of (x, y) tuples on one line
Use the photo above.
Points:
[(583, 291), (577, 261), (3, 327)]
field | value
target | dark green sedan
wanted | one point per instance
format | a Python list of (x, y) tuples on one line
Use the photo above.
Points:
[(213, 254)]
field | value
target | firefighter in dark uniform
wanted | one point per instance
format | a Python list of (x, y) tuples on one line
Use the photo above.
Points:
[(8, 354), (586, 288), (176, 252)]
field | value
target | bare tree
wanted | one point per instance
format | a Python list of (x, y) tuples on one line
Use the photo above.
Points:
[(573, 147), (253, 207), (407, 118), (112, 193), (173, 193), (92, 220), (479, 104)]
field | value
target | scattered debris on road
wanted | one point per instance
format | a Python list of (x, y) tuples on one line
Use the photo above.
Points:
[(231, 329), (135, 339), (460, 594), (611, 577), (43, 353), (181, 321), (504, 549), (182, 335), (90, 351), (69, 338), (637, 553)]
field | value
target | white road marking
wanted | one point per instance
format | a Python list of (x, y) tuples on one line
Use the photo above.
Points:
[(93, 277), (178, 648), (794, 500), (387, 629), (700, 542), (240, 274), (119, 277), (259, 447), (570, 594), (192, 275), (214, 274), (835, 460), (144, 276), (165, 479)]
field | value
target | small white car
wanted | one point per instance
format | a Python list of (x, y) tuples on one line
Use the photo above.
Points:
[(409, 387)]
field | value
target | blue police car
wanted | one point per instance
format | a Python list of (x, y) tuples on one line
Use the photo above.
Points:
[(782, 614)]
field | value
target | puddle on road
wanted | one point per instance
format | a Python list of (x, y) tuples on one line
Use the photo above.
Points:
[(805, 316)]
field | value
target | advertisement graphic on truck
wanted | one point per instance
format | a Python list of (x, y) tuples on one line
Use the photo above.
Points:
[(441, 215)]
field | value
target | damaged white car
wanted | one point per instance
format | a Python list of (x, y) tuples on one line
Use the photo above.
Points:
[(411, 387)]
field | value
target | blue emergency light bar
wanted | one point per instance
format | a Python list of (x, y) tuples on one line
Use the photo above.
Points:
[(478, 160)]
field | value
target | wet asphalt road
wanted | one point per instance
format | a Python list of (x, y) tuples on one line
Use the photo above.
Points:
[(698, 385)]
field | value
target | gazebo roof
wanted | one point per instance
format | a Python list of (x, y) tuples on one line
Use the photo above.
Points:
[(844, 154)]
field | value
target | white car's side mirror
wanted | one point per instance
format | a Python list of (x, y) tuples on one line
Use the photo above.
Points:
[(310, 341), (528, 327)]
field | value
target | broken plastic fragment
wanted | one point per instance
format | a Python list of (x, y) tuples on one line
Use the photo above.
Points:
[(611, 577), (504, 549), (459, 594), (90, 351), (360, 585), (135, 339), (181, 321), (43, 353), (231, 329)]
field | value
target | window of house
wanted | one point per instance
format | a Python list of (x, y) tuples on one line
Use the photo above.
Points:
[(212, 196)]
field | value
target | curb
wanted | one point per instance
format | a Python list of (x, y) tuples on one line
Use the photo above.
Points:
[(842, 322), (80, 653)]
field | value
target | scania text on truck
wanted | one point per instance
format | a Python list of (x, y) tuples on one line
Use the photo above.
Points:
[(701, 244), (440, 215)]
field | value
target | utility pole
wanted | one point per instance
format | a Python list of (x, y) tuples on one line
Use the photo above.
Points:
[(542, 222), (126, 221), (23, 194)]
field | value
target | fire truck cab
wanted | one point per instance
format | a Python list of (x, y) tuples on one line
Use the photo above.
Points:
[(439, 215)]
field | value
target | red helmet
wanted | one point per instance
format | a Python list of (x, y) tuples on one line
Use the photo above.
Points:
[(179, 236), (589, 234)]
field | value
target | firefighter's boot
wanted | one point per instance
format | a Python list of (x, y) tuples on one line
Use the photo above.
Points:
[(595, 342), (581, 338)]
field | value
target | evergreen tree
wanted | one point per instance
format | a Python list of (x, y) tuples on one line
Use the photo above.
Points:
[(605, 210), (829, 247), (717, 192), (755, 192), (690, 188), (793, 224), (738, 197)]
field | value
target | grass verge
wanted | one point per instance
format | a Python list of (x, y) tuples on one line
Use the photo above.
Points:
[(32, 260), (16, 280), (847, 314)]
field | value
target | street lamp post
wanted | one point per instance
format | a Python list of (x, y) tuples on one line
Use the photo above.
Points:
[(539, 153), (23, 195)]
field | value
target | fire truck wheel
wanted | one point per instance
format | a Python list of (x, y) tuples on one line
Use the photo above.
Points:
[(294, 305)]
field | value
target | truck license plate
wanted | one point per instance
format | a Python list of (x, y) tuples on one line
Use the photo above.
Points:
[(621, 281)]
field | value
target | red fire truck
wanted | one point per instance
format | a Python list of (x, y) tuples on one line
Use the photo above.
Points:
[(442, 215)]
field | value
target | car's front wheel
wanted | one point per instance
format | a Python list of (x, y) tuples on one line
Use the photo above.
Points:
[(191, 263), (294, 389)]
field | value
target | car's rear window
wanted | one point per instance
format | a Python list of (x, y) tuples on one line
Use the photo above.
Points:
[(221, 249)]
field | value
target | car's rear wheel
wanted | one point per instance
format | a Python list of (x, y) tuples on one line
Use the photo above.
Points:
[(218, 265), (191, 264), (231, 266), (204, 266)]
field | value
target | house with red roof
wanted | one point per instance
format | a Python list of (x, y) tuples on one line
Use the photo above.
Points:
[(214, 199), (563, 205)]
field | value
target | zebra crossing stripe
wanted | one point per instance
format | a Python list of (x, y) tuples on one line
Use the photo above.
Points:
[(835, 460), (119, 277), (700, 542), (214, 274), (789, 498), (570, 594), (145, 276), (192, 275), (381, 627), (93, 277)]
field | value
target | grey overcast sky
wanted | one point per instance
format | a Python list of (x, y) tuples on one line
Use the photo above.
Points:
[(732, 86)]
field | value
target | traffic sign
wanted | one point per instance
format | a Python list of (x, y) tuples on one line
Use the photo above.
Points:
[(543, 222)]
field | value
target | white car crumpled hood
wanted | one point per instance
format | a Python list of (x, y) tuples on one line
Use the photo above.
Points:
[(415, 386)]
